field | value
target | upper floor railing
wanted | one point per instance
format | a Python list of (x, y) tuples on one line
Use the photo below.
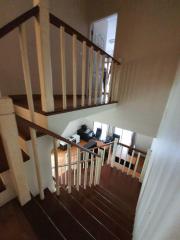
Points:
[(99, 78)]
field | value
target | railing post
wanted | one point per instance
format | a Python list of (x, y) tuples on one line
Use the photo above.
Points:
[(146, 161), (100, 165), (9, 134), (42, 31), (86, 168), (136, 165), (78, 168), (114, 152), (69, 167), (91, 170), (74, 65), (83, 72), (56, 165), (109, 154), (102, 77), (130, 164), (90, 75), (97, 76)]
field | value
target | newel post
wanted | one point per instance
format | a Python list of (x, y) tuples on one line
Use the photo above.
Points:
[(42, 31), (9, 134)]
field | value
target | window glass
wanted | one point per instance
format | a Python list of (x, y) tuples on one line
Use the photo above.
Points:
[(96, 125), (104, 131)]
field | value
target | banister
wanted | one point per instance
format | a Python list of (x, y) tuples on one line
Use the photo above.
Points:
[(68, 29), (18, 21), (57, 136), (131, 148)]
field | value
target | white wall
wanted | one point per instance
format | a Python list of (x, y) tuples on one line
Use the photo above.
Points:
[(11, 80), (148, 42), (158, 212)]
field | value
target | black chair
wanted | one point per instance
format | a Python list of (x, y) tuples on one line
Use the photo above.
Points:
[(98, 133)]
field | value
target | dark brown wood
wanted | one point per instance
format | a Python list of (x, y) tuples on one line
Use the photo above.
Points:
[(18, 21), (13, 224), (2, 186), (131, 148), (63, 219), (68, 29), (3, 159), (55, 135), (21, 100)]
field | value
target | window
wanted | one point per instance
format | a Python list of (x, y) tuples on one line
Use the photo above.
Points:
[(104, 128)]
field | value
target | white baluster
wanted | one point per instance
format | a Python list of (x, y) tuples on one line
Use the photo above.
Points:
[(85, 171), (83, 72), (91, 170), (63, 66), (136, 165), (130, 163), (78, 168), (146, 161), (125, 160), (74, 65), (56, 164), (109, 154), (69, 167), (102, 77), (97, 76), (114, 152), (90, 75)]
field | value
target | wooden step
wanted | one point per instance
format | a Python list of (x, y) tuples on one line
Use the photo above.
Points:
[(114, 227), (63, 219), (3, 159), (96, 228), (2, 186), (41, 223), (119, 214)]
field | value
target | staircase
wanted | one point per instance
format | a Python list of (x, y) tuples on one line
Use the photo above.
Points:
[(94, 213)]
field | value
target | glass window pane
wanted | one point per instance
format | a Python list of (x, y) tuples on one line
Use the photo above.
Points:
[(104, 131)]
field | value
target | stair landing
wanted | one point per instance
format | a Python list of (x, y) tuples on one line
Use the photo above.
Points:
[(21, 100)]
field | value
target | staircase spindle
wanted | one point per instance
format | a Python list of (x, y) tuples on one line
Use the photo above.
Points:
[(107, 78), (56, 164), (111, 81), (27, 80), (109, 154), (136, 165), (90, 74), (97, 76), (74, 65), (86, 168), (83, 72), (63, 66), (120, 154), (146, 161), (69, 167), (130, 163), (125, 160), (102, 77), (100, 152), (65, 170), (114, 152), (91, 170), (78, 167)]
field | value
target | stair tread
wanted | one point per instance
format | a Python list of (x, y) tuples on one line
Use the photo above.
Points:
[(118, 214), (64, 220), (40, 222), (115, 228), (96, 228)]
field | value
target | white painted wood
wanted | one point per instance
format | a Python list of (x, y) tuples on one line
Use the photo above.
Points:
[(145, 165), (109, 154), (91, 170), (42, 34), (91, 51), (74, 65), (100, 152), (78, 167), (107, 78), (9, 135), (125, 160), (69, 167), (63, 66), (111, 82), (86, 168), (102, 60), (55, 144), (120, 154), (97, 76), (114, 152), (130, 163), (27, 80), (136, 165), (84, 48)]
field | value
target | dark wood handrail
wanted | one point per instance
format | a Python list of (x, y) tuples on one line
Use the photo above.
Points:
[(131, 148), (68, 29), (18, 21), (57, 136)]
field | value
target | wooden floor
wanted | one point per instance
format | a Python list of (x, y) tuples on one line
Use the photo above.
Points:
[(21, 100), (102, 212)]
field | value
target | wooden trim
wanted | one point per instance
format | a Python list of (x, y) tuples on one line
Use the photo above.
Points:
[(54, 135), (131, 148), (18, 21), (68, 29)]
